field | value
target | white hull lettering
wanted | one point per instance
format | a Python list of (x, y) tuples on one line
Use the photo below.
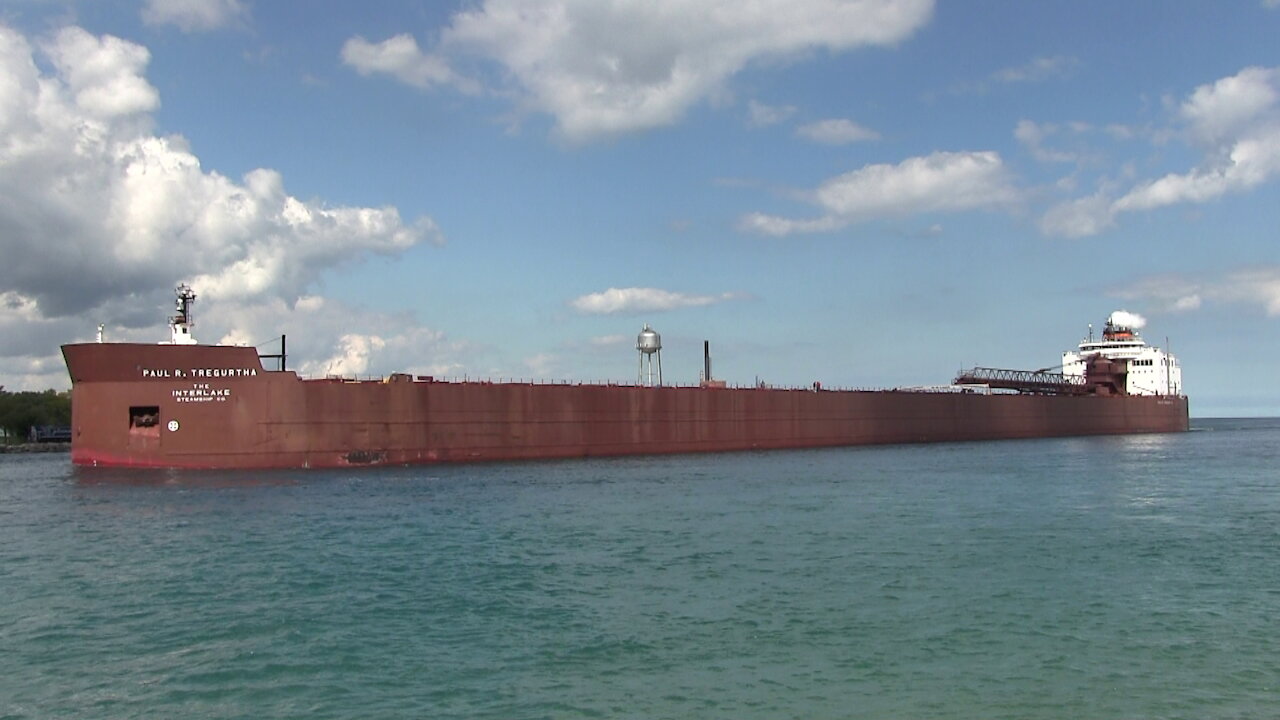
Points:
[(201, 392), (224, 372), (167, 374)]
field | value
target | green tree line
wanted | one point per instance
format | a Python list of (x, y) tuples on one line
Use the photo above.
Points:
[(20, 410)]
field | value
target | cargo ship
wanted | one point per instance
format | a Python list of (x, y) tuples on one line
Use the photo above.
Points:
[(181, 404)]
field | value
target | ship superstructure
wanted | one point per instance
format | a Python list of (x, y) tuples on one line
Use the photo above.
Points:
[(1149, 370)]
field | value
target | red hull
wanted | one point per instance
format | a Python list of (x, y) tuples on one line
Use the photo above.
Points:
[(216, 407)]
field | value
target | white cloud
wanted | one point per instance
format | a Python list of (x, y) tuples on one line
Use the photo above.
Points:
[(603, 69), (941, 182), (945, 181), (321, 341), (352, 356), (1236, 123), (194, 15), (1227, 108), (630, 300), (1186, 303), (400, 57), (99, 218), (836, 132), (1032, 136), (1080, 217), (779, 226), (1251, 287), (1248, 163), (124, 205), (1037, 69), (102, 75), (293, 241), (761, 115)]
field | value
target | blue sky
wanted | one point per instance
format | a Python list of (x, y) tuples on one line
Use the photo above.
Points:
[(867, 194)]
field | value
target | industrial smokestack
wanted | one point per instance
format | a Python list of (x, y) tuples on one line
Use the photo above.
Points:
[(706, 360)]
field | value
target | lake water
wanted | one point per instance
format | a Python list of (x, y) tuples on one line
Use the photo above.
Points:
[(1111, 577)]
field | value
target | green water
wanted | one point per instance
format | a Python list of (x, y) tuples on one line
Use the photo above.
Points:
[(1132, 577)]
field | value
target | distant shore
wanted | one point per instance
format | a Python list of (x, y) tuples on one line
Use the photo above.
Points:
[(35, 448)]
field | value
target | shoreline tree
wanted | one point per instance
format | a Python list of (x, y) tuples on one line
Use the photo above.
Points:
[(19, 411)]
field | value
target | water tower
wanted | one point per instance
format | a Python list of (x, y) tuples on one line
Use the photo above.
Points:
[(649, 344)]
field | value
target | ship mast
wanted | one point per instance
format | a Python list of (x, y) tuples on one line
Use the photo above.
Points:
[(180, 325)]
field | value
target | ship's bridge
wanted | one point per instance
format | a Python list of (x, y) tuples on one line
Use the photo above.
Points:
[(1151, 370)]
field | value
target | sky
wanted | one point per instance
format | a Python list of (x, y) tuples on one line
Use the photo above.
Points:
[(864, 193)]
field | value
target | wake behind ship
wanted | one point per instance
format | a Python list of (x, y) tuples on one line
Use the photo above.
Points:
[(186, 405)]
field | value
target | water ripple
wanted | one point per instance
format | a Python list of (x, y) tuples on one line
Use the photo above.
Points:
[(1087, 577)]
